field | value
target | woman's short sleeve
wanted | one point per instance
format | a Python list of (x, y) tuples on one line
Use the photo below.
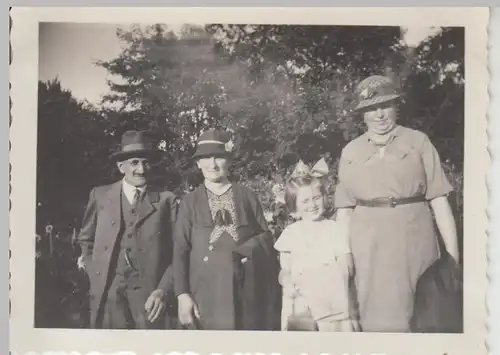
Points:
[(343, 198), (437, 182)]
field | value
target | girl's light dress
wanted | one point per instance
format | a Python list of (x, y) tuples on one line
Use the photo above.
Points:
[(309, 252)]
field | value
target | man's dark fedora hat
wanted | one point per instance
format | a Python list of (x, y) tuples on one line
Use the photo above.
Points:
[(135, 144)]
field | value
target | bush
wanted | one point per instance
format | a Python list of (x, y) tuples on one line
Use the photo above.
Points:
[(61, 287), (253, 83)]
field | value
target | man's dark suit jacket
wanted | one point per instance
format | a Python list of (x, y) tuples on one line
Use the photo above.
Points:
[(98, 238)]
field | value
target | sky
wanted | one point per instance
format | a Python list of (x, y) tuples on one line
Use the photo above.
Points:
[(68, 52)]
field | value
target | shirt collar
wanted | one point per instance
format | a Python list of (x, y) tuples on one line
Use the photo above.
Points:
[(129, 189), (213, 187), (392, 135), (397, 147)]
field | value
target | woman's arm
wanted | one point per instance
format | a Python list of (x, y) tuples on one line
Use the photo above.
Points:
[(182, 250), (344, 221), (263, 239), (167, 281), (438, 188), (446, 225)]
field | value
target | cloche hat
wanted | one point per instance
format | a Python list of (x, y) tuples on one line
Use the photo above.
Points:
[(374, 90), (214, 142), (134, 144)]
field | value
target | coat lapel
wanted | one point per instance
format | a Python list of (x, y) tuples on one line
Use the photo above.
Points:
[(245, 214), (147, 206), (240, 205), (113, 207), (201, 208)]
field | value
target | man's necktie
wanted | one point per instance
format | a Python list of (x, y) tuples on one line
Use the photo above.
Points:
[(137, 196)]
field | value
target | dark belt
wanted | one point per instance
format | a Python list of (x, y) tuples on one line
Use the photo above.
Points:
[(390, 201)]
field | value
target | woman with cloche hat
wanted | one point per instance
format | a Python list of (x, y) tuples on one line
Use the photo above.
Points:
[(390, 183), (225, 270)]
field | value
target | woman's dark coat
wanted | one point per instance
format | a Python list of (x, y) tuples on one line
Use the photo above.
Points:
[(438, 299), (249, 295)]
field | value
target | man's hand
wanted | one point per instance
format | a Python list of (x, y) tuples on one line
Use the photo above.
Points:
[(187, 309), (155, 304)]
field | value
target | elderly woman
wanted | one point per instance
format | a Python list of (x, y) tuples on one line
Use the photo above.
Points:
[(225, 269), (388, 178)]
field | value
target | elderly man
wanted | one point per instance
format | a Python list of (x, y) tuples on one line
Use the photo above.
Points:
[(126, 241)]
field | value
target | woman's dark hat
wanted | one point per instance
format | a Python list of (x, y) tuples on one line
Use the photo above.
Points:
[(214, 143), (134, 144), (375, 90)]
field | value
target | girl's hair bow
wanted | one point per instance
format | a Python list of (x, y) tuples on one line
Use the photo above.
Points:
[(319, 170)]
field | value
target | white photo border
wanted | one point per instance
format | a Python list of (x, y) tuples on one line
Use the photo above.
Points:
[(23, 136)]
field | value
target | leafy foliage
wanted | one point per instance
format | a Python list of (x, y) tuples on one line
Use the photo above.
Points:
[(286, 93)]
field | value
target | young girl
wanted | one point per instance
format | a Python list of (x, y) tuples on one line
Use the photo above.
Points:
[(315, 263)]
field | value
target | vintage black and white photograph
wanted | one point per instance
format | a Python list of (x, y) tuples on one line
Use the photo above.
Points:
[(244, 176)]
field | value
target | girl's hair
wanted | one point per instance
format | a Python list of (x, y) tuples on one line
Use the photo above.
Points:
[(293, 185)]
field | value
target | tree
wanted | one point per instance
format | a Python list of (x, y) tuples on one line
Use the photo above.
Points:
[(435, 92), (435, 104), (69, 140), (170, 87), (70, 158), (286, 93), (312, 53), (296, 94)]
